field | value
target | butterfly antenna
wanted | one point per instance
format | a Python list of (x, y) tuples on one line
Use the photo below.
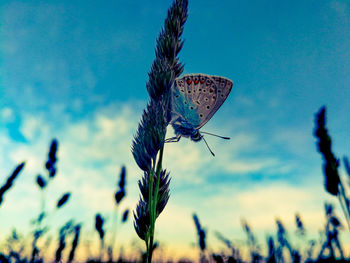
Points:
[(208, 146), (222, 137)]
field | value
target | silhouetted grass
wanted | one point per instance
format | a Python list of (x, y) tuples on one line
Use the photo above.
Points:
[(74, 243), (329, 250), (252, 243), (10, 181), (201, 233), (118, 196), (333, 182), (101, 233)]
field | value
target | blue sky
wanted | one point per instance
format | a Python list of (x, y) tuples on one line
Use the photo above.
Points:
[(76, 71)]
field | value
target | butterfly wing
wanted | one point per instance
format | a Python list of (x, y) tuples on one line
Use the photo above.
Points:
[(196, 97), (183, 105)]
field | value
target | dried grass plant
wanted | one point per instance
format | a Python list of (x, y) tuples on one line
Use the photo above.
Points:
[(148, 143), (334, 184)]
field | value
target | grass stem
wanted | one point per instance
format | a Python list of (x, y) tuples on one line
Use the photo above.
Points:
[(153, 199)]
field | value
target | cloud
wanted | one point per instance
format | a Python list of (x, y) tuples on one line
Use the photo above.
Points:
[(261, 204), (34, 126), (7, 115), (279, 200), (92, 150), (240, 155), (252, 166)]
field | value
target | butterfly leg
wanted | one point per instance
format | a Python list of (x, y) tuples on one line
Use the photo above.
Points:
[(173, 139)]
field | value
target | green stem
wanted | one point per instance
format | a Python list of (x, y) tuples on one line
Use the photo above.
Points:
[(102, 247), (159, 170), (114, 230), (153, 200), (150, 209)]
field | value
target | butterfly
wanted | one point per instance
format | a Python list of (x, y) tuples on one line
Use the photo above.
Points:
[(194, 100)]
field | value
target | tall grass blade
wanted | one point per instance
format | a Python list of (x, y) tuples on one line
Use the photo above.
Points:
[(10, 181)]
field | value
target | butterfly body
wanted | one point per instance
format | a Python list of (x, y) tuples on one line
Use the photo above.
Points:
[(195, 99), (185, 129)]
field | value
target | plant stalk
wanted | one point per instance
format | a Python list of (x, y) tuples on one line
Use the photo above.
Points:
[(153, 199), (343, 203)]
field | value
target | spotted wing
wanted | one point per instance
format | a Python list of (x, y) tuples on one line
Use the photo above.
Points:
[(199, 96), (182, 103)]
